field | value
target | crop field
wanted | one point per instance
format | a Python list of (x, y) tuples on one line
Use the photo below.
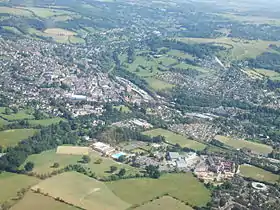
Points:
[(184, 187), (11, 183), (15, 11), (164, 203), (82, 191), (174, 138), (21, 115), (36, 201), (157, 84), (239, 143), (72, 150), (45, 122), (13, 137), (258, 174)]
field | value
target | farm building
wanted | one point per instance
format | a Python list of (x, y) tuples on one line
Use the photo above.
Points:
[(103, 148)]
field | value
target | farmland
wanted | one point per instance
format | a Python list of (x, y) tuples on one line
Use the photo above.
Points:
[(82, 191), (174, 138), (12, 183), (13, 137), (15, 11), (239, 143), (21, 115), (33, 200), (157, 84), (184, 187), (258, 174), (164, 203), (45, 122), (273, 75)]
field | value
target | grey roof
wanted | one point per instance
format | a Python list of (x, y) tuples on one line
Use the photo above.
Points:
[(174, 155), (181, 163)]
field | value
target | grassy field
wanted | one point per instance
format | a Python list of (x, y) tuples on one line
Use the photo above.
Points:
[(11, 183), (15, 11), (122, 108), (167, 61), (36, 201), (188, 66), (18, 116), (164, 203), (238, 144), (12, 29), (157, 84), (45, 160), (59, 32), (273, 75), (45, 12), (252, 19), (13, 137), (76, 40), (82, 191), (45, 122), (180, 54), (3, 122), (174, 138), (184, 187), (258, 173)]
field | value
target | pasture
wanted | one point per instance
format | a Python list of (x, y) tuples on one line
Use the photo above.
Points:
[(82, 191), (174, 138), (21, 115), (188, 66), (239, 143), (157, 84), (3, 122), (12, 183), (258, 174), (45, 12), (15, 11), (35, 201), (164, 203), (180, 54), (13, 137), (45, 122), (12, 29), (273, 75), (184, 187)]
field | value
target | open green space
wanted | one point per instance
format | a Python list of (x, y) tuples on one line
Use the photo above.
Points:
[(273, 75), (14, 136), (34, 201), (180, 54), (239, 143), (122, 108), (21, 115), (184, 187), (45, 122), (174, 138), (82, 191), (15, 11), (3, 122), (164, 203), (157, 84), (188, 66), (258, 174), (167, 61), (44, 161), (12, 183), (12, 29), (45, 12)]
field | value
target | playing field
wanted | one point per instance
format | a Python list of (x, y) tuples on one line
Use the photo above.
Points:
[(258, 173), (174, 138), (35, 201), (45, 122), (239, 143), (21, 115), (13, 137), (184, 187), (164, 203), (157, 84), (82, 191), (12, 183)]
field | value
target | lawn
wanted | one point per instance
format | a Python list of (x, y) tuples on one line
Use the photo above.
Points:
[(239, 143), (45, 122), (157, 84), (184, 187), (36, 201), (123, 108), (258, 173), (21, 115), (13, 137), (164, 203), (12, 183), (174, 138), (82, 191)]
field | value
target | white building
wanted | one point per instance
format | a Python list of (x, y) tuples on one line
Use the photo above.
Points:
[(103, 148)]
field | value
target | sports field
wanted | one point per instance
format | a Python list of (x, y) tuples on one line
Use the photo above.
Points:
[(45, 122), (174, 138), (82, 191), (239, 143), (34, 201), (258, 173), (164, 203), (184, 187), (12, 183), (13, 137)]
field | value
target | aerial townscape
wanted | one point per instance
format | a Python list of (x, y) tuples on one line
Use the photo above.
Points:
[(139, 105)]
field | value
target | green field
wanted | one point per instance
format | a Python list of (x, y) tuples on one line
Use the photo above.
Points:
[(82, 191), (15, 11), (13, 137), (34, 201), (188, 66), (21, 115), (273, 75), (45, 160), (12, 29), (258, 174), (45, 122), (3, 122), (238, 144), (167, 61), (164, 203), (122, 108), (157, 84), (12, 183), (252, 19), (184, 187), (174, 138), (45, 12), (76, 40), (180, 54)]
